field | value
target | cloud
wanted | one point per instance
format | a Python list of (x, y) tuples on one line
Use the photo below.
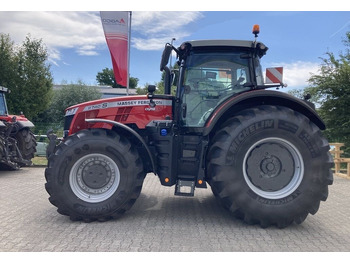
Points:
[(54, 56), (88, 50), (296, 74), (154, 29), (155, 43), (79, 30), (162, 22), (57, 29), (83, 31)]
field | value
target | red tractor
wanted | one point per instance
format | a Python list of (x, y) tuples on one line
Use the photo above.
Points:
[(262, 152), (17, 142)]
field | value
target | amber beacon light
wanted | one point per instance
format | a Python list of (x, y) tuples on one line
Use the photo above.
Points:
[(256, 30)]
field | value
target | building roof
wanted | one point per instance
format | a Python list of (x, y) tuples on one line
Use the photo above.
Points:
[(108, 91)]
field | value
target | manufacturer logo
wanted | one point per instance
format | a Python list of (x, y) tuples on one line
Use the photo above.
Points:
[(109, 21), (124, 103)]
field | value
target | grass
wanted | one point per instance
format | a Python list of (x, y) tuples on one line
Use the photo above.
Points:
[(39, 161)]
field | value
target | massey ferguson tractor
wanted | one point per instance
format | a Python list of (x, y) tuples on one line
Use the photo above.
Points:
[(17, 142), (261, 151)]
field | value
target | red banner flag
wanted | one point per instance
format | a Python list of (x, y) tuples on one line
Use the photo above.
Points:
[(116, 29)]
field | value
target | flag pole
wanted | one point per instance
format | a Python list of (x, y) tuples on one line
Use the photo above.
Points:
[(129, 40)]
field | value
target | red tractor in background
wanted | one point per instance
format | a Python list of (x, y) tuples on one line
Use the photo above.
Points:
[(262, 152), (17, 142)]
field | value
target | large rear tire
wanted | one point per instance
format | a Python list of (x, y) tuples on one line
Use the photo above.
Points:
[(26, 143), (270, 165), (94, 175)]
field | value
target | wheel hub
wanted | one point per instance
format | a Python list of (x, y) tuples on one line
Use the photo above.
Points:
[(270, 167), (94, 178), (273, 168), (96, 175)]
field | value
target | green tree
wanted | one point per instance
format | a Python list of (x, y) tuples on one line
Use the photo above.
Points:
[(133, 82), (25, 72), (331, 89), (106, 77), (142, 90), (7, 59), (160, 85), (67, 96)]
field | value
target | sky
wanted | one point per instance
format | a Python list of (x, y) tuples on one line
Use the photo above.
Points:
[(297, 35)]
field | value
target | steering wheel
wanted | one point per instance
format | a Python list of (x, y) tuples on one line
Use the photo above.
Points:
[(195, 81)]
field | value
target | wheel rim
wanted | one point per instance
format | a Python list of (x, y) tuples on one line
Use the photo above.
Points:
[(94, 178), (273, 168)]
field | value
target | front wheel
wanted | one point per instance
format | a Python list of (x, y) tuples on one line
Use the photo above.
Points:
[(270, 165), (94, 175)]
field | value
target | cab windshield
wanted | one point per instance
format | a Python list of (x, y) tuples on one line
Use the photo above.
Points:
[(209, 79), (3, 107)]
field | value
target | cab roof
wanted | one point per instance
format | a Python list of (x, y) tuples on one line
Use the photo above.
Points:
[(237, 43), (258, 46)]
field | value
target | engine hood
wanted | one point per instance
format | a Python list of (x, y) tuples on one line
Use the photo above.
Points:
[(104, 103)]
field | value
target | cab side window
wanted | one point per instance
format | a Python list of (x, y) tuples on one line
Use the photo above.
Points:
[(209, 80)]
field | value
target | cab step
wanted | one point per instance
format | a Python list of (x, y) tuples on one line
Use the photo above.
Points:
[(185, 188)]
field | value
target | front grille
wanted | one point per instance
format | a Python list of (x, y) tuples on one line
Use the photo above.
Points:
[(67, 122)]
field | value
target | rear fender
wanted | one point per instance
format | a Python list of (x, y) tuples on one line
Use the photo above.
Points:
[(19, 125), (255, 98), (24, 124)]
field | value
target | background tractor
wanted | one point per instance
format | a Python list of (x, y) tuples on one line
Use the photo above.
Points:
[(262, 152), (17, 142)]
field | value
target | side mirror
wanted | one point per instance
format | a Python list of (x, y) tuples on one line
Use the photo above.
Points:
[(165, 56)]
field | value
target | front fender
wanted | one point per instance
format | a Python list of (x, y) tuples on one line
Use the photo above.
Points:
[(130, 131)]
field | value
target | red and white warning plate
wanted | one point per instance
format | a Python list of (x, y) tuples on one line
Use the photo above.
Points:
[(274, 75)]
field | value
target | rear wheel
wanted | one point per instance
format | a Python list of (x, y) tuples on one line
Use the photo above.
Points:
[(26, 143), (94, 175), (270, 165)]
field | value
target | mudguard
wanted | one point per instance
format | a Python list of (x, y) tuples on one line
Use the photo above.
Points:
[(260, 97), (24, 124), (131, 131), (54, 140)]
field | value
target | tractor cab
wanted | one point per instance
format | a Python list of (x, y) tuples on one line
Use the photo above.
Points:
[(210, 72), (213, 71), (3, 106)]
